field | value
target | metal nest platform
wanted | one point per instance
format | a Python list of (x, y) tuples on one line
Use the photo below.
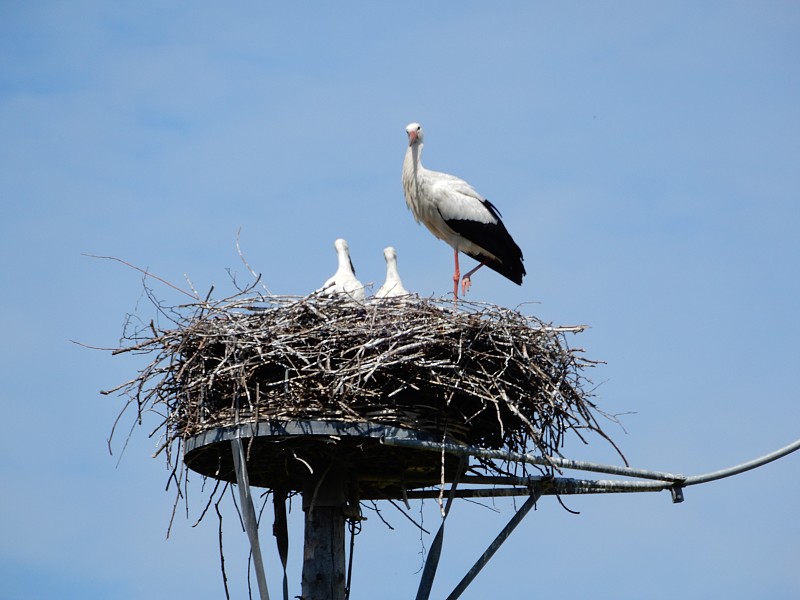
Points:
[(289, 455)]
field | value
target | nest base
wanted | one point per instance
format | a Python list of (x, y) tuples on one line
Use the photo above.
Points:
[(291, 455)]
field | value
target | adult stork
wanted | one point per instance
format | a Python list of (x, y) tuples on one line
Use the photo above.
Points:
[(393, 286), (344, 280), (455, 213)]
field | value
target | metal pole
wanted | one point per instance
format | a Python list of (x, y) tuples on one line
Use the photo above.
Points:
[(722, 473), (559, 463)]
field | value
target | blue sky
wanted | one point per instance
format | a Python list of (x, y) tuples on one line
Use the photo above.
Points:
[(645, 156)]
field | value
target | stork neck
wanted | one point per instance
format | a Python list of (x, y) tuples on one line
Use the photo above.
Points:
[(412, 165), (416, 155)]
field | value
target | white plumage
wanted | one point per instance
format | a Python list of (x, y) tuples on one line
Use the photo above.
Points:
[(455, 213), (344, 280), (393, 286)]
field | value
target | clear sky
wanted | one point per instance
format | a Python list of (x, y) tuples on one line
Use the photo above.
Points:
[(645, 156)]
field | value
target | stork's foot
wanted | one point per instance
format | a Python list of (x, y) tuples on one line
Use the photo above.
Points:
[(466, 282)]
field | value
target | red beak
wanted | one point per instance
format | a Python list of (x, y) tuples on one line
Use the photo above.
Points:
[(412, 137)]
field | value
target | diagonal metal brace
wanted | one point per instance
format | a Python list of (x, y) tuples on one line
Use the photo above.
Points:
[(249, 514), (495, 545), (432, 562)]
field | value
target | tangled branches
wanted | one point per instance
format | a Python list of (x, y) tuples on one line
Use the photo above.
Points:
[(475, 373)]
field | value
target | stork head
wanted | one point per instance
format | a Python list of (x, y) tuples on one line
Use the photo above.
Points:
[(341, 246), (343, 251), (390, 254), (414, 131)]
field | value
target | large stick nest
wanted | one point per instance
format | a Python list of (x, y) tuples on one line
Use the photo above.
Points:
[(474, 373)]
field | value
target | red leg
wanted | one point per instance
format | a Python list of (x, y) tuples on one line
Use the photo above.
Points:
[(456, 276)]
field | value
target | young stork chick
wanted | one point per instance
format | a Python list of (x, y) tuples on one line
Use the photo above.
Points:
[(393, 286), (455, 213), (344, 280)]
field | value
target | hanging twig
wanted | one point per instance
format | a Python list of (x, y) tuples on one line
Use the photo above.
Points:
[(221, 553)]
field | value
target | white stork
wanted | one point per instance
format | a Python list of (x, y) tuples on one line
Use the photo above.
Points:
[(393, 286), (455, 213), (344, 280)]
